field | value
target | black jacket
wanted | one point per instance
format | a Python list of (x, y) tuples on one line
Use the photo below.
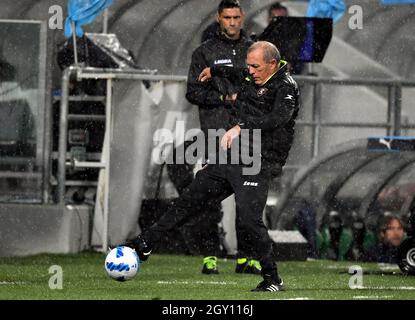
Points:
[(272, 107), (382, 253), (218, 51)]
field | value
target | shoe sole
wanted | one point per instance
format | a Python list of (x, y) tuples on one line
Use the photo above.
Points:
[(276, 290)]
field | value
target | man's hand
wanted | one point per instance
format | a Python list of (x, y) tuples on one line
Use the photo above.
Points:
[(229, 136), (231, 98), (205, 75)]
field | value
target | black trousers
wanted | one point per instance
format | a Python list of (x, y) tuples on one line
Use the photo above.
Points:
[(218, 182), (200, 234)]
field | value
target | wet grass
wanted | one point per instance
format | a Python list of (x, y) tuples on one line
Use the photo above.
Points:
[(168, 277)]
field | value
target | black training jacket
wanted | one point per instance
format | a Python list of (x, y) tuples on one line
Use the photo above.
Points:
[(272, 107), (218, 51)]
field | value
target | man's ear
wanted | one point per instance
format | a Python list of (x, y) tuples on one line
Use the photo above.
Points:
[(217, 17)]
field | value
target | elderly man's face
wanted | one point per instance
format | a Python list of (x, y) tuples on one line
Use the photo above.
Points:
[(394, 233), (231, 22), (258, 68)]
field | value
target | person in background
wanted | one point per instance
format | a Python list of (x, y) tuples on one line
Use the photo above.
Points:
[(305, 221), (391, 235), (277, 10)]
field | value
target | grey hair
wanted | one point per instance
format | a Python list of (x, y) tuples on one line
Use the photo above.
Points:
[(269, 50)]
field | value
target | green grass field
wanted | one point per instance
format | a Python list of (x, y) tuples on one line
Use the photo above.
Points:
[(179, 277)]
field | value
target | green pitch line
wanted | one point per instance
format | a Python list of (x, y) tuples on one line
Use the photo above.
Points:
[(179, 277)]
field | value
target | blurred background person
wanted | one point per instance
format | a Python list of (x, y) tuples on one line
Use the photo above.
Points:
[(277, 10), (391, 235)]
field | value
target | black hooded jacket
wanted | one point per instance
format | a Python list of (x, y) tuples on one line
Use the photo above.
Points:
[(218, 51)]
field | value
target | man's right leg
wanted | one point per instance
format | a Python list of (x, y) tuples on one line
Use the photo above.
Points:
[(209, 184)]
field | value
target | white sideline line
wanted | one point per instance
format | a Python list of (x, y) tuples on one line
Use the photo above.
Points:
[(381, 266), (388, 266), (395, 288), (372, 297), (385, 288), (11, 283), (336, 267), (197, 282)]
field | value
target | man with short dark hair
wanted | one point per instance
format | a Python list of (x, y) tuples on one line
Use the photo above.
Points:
[(228, 47), (267, 102)]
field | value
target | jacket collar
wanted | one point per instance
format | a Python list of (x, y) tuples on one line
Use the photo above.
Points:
[(222, 37), (283, 68)]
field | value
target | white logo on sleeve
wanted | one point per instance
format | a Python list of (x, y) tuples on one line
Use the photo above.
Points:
[(289, 97), (251, 184)]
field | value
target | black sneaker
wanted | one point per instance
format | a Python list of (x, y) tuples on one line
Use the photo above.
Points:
[(250, 266), (269, 285), (210, 265), (141, 246)]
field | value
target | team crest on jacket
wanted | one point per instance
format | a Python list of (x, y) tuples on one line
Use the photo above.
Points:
[(261, 92)]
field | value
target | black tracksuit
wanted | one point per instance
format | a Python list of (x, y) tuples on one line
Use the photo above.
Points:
[(272, 108), (218, 51)]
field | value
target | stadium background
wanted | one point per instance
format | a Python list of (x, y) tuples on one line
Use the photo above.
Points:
[(329, 151)]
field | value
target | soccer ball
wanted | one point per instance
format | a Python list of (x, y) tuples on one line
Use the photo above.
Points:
[(122, 263)]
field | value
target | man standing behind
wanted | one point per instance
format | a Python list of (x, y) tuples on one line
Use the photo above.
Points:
[(228, 47)]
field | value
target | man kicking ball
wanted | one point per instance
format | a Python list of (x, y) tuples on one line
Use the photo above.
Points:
[(267, 100)]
